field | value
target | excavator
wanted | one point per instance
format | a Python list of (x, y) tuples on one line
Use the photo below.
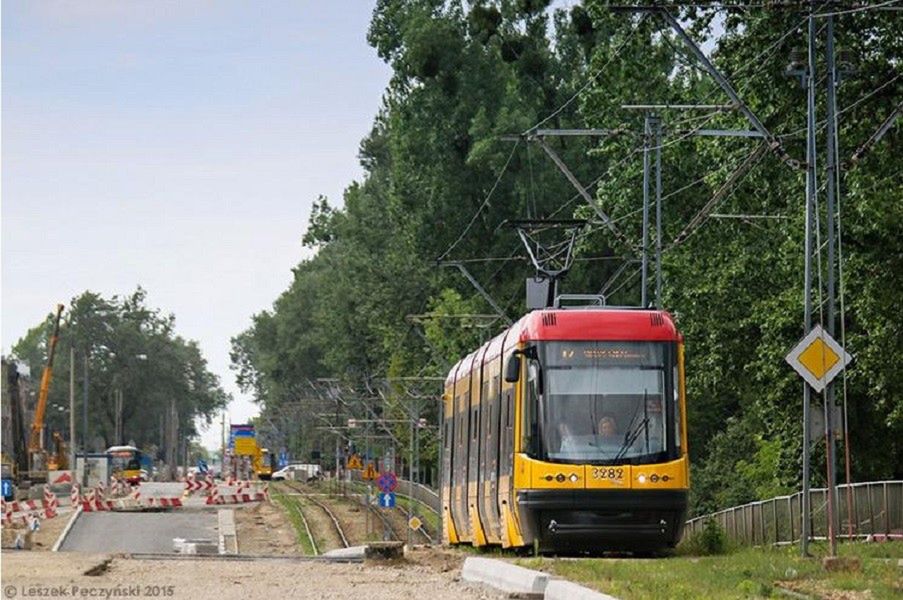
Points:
[(39, 459)]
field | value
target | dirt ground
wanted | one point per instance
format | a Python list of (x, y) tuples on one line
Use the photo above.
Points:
[(321, 526), (24, 573), (263, 529)]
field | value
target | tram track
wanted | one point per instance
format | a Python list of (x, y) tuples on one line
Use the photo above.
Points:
[(295, 486)]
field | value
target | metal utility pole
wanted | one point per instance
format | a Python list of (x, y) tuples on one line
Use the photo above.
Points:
[(647, 133), (85, 384), (657, 125), (831, 172), (410, 471), (811, 189), (72, 407), (117, 400)]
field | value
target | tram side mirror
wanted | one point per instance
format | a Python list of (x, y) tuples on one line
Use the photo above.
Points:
[(512, 369)]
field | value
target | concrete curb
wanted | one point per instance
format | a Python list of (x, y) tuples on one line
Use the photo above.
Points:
[(228, 540), (505, 576), (59, 541), (559, 589), (351, 552)]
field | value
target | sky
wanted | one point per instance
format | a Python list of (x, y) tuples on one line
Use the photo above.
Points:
[(176, 145)]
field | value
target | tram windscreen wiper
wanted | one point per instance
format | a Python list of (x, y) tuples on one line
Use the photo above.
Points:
[(631, 437), (632, 434)]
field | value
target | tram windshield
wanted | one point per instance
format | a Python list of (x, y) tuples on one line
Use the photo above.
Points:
[(607, 402)]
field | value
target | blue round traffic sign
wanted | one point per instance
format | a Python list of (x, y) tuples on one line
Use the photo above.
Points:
[(387, 482)]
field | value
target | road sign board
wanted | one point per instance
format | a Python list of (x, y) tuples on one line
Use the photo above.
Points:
[(818, 358), (354, 462), (387, 482), (386, 500), (370, 472), (415, 523)]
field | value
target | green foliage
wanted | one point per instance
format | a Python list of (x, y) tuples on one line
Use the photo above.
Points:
[(465, 74), (711, 540), (128, 347)]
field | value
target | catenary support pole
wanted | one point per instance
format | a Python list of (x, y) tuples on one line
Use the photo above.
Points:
[(657, 125), (644, 269), (807, 275), (72, 407), (830, 179)]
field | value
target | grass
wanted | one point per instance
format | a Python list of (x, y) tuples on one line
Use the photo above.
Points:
[(741, 573), (292, 509)]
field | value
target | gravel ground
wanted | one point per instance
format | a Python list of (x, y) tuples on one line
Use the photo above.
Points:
[(263, 529), (227, 580)]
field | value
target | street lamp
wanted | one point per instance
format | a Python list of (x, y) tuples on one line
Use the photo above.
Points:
[(118, 399)]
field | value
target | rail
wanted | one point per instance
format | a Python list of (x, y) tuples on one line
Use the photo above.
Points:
[(325, 508), (870, 508), (403, 484)]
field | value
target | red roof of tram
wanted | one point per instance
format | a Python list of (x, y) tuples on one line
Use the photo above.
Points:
[(602, 324)]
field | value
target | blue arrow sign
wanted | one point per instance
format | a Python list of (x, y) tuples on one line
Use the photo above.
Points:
[(7, 489), (386, 500)]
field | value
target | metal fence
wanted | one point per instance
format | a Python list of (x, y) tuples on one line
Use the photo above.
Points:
[(870, 508), (423, 494)]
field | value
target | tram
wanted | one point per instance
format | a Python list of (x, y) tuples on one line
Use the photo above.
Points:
[(567, 432), (130, 463)]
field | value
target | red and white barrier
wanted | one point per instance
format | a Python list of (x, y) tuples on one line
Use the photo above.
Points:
[(28, 518), (164, 502), (237, 498), (97, 505), (50, 499), (194, 486)]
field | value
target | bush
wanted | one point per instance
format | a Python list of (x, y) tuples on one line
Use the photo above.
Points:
[(710, 540)]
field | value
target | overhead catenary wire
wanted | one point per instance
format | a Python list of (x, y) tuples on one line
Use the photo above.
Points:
[(592, 79), (859, 9), (482, 204)]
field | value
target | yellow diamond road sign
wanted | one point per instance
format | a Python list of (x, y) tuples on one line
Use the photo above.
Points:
[(818, 358)]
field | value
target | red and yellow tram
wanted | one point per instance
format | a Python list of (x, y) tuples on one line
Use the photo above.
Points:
[(567, 432)]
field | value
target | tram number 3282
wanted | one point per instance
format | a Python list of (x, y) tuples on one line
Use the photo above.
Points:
[(608, 473)]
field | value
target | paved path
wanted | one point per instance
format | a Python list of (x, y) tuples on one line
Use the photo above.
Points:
[(139, 532)]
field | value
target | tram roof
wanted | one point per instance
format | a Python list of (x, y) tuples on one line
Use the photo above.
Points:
[(597, 324)]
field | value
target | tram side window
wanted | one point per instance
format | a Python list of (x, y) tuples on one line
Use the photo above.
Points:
[(531, 403), (677, 409)]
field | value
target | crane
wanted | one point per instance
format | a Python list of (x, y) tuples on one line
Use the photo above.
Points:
[(36, 449)]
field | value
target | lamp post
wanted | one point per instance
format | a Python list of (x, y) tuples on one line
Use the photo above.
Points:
[(119, 401)]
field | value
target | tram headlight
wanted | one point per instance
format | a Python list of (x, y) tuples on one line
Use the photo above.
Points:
[(574, 477), (642, 478)]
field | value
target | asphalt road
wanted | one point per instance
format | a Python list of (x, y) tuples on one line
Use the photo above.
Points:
[(139, 532)]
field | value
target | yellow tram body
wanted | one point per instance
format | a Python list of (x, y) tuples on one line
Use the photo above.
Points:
[(513, 472)]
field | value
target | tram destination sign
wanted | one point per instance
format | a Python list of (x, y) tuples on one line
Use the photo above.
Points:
[(818, 358)]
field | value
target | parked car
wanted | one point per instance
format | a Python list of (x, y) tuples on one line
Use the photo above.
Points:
[(298, 472)]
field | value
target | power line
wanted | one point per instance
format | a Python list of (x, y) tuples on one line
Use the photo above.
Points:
[(592, 79), (856, 10), (482, 205)]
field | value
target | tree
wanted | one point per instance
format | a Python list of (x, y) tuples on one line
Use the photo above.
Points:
[(130, 349)]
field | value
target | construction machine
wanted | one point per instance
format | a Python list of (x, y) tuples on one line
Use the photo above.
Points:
[(39, 459)]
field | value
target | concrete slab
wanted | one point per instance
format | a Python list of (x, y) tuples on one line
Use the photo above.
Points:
[(558, 589), (505, 576), (349, 552), (228, 538)]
